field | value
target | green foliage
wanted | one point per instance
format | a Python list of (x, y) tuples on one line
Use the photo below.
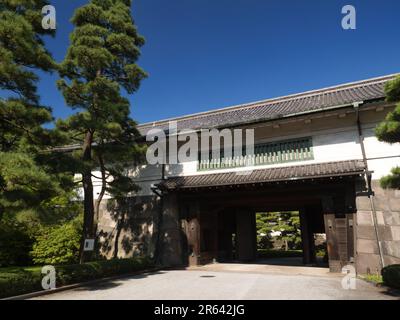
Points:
[(27, 177), (15, 243), (56, 219), (321, 250), (22, 280), (100, 61), (19, 281), (288, 223), (373, 278), (97, 269), (21, 50), (268, 253), (57, 245), (22, 183), (391, 181), (57, 210), (392, 90), (389, 130), (391, 276), (99, 65)]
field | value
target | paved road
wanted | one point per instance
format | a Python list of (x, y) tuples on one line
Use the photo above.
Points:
[(205, 284)]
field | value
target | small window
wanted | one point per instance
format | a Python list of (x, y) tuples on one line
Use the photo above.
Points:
[(267, 153)]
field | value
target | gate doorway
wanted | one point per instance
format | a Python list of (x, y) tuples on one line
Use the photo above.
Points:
[(220, 226), (282, 237)]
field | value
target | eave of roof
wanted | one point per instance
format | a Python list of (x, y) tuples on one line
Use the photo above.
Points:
[(268, 175), (271, 109)]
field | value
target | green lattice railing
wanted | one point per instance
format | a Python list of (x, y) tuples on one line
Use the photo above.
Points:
[(267, 153)]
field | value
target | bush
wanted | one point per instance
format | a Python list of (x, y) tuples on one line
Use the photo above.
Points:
[(374, 278), (264, 242), (20, 281), (391, 276), (57, 245), (267, 254), (15, 244)]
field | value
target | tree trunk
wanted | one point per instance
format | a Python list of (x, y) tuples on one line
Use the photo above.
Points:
[(117, 235), (102, 192), (158, 248), (88, 207)]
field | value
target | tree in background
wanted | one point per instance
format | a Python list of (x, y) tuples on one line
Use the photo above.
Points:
[(58, 244), (389, 130), (27, 178), (286, 223), (35, 184), (100, 62)]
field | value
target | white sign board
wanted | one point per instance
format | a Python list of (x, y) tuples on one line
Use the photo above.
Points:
[(89, 245)]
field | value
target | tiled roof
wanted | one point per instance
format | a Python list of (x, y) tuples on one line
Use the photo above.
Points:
[(289, 173), (311, 101)]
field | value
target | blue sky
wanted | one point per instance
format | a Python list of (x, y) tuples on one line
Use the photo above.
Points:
[(206, 54)]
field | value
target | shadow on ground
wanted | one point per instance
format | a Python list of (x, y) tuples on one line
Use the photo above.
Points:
[(109, 284)]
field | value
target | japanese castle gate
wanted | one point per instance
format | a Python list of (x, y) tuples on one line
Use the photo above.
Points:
[(315, 152)]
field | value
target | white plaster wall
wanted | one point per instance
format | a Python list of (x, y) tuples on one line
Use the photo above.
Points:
[(145, 176), (333, 144), (382, 156), (328, 145)]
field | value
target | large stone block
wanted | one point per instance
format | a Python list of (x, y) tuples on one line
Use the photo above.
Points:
[(172, 248), (364, 218), (366, 232), (386, 199), (395, 232), (391, 248), (385, 233), (379, 218), (381, 203), (392, 218), (391, 260), (394, 203), (368, 263), (130, 230), (367, 246), (363, 204)]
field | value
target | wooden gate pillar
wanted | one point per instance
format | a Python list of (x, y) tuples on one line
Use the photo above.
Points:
[(307, 237), (339, 229), (246, 235), (171, 237), (191, 228)]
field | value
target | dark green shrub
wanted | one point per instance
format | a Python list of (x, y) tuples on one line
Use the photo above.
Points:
[(391, 275), (267, 254), (15, 244), (19, 281), (15, 284), (57, 245), (264, 242)]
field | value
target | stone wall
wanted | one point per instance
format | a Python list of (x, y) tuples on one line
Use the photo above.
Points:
[(129, 228), (171, 232), (387, 206)]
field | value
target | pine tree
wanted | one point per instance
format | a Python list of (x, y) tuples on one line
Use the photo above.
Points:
[(285, 222), (389, 130), (99, 64), (21, 50), (24, 183)]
